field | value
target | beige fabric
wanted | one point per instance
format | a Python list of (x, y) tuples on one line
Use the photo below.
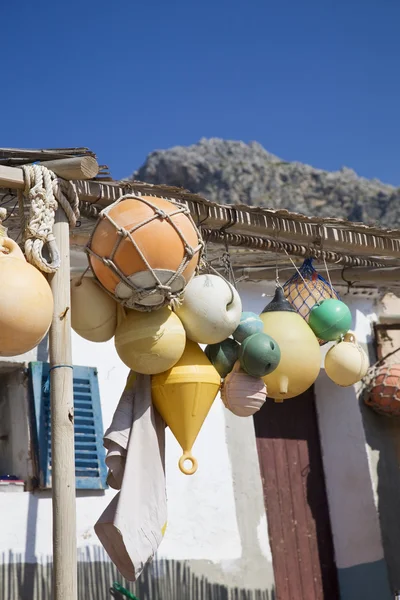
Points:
[(132, 526)]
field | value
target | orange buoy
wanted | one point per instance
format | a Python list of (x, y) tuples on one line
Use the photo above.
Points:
[(26, 302), (383, 391), (183, 396), (144, 250)]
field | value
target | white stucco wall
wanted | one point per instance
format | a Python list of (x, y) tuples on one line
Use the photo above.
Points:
[(212, 515), (205, 512)]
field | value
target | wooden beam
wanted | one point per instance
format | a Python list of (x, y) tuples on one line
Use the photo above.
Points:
[(62, 424), (11, 177), (337, 235), (79, 167)]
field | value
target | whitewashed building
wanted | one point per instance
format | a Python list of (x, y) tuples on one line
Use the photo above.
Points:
[(300, 503)]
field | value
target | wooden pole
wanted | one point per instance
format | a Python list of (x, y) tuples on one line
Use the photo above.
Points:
[(62, 424), (79, 167)]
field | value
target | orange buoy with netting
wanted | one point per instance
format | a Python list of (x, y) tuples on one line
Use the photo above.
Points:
[(144, 250), (382, 393)]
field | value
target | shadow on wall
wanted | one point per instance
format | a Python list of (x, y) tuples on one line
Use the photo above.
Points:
[(162, 580), (383, 435)]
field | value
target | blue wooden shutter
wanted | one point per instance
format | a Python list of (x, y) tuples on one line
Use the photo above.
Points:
[(90, 467)]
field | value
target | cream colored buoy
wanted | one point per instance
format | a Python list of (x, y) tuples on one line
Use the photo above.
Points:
[(242, 394), (26, 302), (211, 309), (346, 363), (149, 343), (300, 360), (93, 312)]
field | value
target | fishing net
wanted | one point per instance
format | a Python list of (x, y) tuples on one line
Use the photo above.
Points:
[(382, 387), (307, 287)]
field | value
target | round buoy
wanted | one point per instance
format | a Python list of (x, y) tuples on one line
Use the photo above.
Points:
[(383, 393), (26, 302), (330, 319), (346, 363), (250, 323), (150, 343), (223, 355), (259, 355), (144, 250), (93, 312), (210, 310), (242, 394)]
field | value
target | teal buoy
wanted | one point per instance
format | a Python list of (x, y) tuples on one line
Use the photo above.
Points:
[(330, 319), (250, 323), (259, 355), (223, 355)]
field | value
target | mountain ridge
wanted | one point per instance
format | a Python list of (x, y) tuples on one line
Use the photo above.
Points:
[(235, 172)]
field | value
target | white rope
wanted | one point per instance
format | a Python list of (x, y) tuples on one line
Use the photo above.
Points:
[(45, 192)]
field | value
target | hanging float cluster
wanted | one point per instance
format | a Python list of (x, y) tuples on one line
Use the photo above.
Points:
[(148, 294)]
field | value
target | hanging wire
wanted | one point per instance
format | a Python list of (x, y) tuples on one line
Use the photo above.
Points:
[(277, 281), (327, 273)]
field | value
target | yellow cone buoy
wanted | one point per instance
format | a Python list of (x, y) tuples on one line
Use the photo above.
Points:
[(183, 396), (346, 363), (300, 352), (149, 343), (93, 312), (26, 302)]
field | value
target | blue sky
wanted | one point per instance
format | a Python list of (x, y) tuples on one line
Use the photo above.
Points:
[(316, 81)]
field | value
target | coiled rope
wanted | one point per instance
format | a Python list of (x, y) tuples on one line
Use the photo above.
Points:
[(45, 192)]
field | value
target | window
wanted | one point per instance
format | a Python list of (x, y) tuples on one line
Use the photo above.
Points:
[(16, 469), (90, 467)]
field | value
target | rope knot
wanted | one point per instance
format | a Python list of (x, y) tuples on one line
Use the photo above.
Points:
[(45, 193), (161, 213)]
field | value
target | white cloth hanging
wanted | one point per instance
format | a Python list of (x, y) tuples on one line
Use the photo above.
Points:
[(133, 525)]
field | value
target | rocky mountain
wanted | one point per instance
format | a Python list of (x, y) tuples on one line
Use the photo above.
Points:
[(230, 172)]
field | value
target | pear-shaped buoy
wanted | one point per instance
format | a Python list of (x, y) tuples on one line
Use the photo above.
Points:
[(330, 319), (300, 360), (211, 309), (346, 363), (183, 396), (26, 302)]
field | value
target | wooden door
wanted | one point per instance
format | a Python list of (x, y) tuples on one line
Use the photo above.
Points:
[(295, 500)]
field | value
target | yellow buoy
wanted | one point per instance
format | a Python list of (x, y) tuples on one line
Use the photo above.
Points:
[(346, 363), (93, 312), (183, 396), (149, 343), (26, 302), (300, 352)]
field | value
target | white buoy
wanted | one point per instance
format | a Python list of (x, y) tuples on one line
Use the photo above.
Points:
[(211, 309)]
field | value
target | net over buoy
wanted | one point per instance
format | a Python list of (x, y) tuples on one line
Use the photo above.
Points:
[(144, 250)]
